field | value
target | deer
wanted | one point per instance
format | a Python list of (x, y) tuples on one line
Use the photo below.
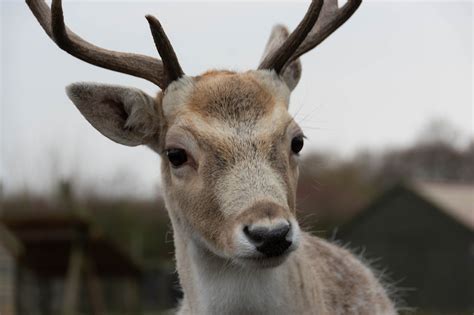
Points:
[(229, 168)]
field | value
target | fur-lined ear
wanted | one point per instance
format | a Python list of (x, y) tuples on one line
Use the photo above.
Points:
[(292, 73), (125, 115)]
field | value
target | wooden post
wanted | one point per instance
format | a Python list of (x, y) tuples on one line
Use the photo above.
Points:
[(94, 289), (73, 279)]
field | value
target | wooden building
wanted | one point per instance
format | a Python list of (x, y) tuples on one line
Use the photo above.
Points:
[(10, 251), (67, 266), (422, 235)]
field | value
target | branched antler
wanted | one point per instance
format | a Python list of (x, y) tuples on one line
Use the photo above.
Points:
[(322, 23), (321, 20), (279, 58), (154, 70)]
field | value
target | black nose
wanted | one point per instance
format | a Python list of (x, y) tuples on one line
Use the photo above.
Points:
[(269, 241)]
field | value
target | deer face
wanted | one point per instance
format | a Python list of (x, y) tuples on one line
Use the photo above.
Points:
[(229, 152), (228, 166)]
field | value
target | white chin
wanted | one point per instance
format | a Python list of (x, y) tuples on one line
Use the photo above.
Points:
[(261, 261)]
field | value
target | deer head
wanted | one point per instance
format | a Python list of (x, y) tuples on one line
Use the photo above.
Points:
[(229, 147)]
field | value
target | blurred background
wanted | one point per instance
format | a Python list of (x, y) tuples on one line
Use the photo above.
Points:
[(387, 171)]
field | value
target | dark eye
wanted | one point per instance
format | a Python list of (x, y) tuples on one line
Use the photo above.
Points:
[(297, 144), (177, 157)]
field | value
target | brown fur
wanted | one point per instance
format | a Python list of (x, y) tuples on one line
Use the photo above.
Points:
[(230, 97), (262, 210)]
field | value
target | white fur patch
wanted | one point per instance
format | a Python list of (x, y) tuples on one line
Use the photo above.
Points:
[(275, 85), (232, 289), (176, 95), (274, 121)]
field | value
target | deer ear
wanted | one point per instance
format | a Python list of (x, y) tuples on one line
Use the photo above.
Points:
[(292, 73), (125, 115)]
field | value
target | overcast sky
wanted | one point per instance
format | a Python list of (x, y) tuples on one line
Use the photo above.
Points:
[(374, 83)]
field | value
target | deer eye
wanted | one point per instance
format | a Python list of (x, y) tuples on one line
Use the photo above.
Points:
[(177, 157), (297, 144)]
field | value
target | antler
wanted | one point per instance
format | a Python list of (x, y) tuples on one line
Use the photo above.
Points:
[(152, 69), (165, 49), (321, 22), (280, 56)]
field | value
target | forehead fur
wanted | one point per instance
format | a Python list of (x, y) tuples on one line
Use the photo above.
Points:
[(227, 95), (230, 97)]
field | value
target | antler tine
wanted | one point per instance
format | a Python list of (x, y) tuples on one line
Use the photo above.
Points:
[(331, 18), (165, 49), (52, 21), (279, 57)]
